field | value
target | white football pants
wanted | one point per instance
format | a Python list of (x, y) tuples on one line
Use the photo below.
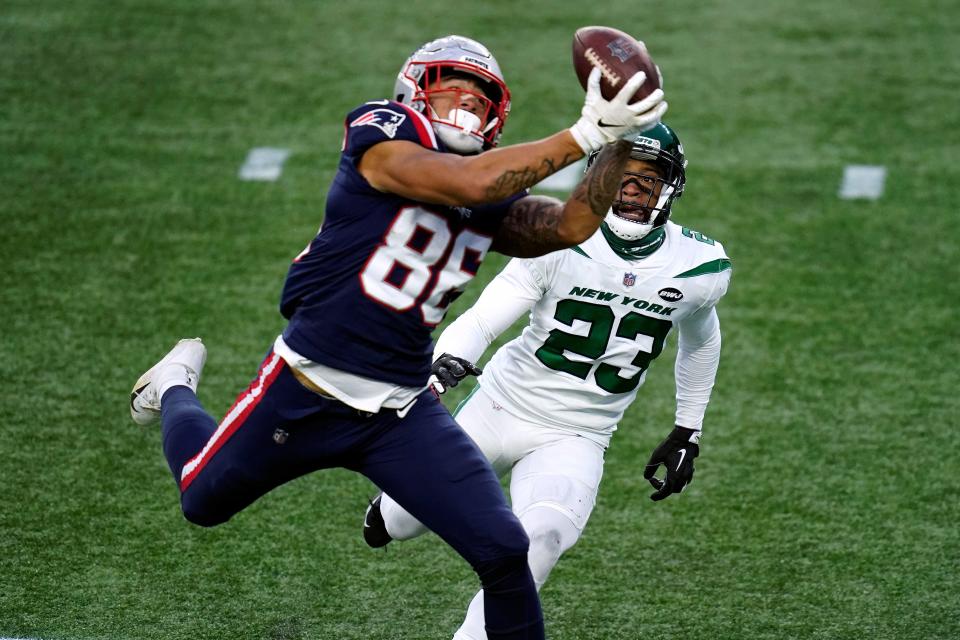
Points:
[(553, 487)]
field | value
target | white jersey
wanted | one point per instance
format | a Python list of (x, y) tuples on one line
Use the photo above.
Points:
[(596, 323)]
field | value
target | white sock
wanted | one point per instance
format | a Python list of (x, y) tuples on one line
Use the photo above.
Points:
[(551, 533), (400, 524), (473, 625), (175, 375)]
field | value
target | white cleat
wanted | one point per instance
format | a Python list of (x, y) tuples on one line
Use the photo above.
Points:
[(181, 366)]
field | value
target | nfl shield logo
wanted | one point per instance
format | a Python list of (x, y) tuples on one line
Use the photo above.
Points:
[(620, 49), (629, 279)]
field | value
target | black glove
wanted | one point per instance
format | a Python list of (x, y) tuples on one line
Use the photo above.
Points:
[(450, 370), (676, 453)]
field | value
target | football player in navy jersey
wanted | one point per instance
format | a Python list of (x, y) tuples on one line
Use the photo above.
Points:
[(421, 194)]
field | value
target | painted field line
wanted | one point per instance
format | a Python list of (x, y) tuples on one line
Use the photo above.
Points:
[(861, 181), (263, 164)]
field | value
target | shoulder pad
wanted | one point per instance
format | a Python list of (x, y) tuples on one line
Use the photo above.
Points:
[(383, 120)]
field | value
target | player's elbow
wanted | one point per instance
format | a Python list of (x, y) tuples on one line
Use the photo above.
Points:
[(474, 191), (459, 193)]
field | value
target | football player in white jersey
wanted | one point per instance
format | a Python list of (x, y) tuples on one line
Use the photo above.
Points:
[(549, 401)]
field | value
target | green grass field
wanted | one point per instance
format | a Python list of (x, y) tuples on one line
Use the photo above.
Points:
[(825, 503)]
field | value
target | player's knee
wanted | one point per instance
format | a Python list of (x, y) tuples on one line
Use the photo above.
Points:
[(546, 542), (546, 546), (503, 555), (504, 575), (512, 541), (203, 518), (551, 534), (198, 512)]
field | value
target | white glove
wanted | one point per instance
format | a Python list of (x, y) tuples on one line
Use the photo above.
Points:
[(604, 121)]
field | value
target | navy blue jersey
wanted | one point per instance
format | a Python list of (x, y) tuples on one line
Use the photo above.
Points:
[(381, 272)]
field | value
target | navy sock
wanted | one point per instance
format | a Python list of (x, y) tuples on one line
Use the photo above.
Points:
[(186, 427)]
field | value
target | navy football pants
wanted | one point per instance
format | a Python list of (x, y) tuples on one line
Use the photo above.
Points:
[(278, 430)]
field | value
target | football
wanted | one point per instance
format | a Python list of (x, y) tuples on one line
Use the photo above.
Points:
[(618, 55)]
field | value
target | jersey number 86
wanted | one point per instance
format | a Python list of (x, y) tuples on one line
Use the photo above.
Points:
[(422, 263)]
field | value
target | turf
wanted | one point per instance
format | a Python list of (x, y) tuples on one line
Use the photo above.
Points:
[(825, 499)]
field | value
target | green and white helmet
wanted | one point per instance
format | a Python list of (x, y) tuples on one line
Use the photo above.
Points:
[(661, 146)]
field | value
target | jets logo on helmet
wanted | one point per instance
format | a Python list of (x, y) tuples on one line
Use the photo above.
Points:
[(461, 130), (643, 141)]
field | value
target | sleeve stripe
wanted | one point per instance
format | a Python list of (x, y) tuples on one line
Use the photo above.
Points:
[(714, 266)]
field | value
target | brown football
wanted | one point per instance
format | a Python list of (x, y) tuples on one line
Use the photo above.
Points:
[(618, 55)]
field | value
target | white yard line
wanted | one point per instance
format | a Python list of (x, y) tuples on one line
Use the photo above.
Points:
[(263, 164), (862, 181)]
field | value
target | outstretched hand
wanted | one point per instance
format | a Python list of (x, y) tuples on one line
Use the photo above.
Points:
[(604, 121)]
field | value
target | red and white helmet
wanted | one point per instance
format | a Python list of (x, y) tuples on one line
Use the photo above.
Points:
[(461, 130)]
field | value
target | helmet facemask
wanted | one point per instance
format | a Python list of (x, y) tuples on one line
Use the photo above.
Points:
[(642, 204), (474, 122), (646, 196), (476, 117)]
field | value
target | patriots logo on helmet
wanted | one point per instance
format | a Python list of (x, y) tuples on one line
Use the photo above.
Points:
[(384, 119), (479, 63), (619, 50), (629, 279)]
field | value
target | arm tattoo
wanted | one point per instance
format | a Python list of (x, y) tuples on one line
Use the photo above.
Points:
[(602, 181), (530, 227), (515, 180)]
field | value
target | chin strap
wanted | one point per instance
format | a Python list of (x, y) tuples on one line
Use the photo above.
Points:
[(634, 249)]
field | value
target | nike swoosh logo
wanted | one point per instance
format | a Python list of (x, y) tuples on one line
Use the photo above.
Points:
[(601, 123), (683, 454)]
